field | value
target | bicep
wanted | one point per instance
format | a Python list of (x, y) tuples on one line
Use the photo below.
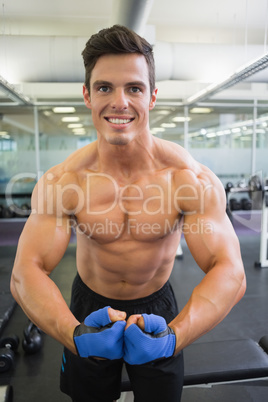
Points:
[(208, 231), (43, 242), (211, 240)]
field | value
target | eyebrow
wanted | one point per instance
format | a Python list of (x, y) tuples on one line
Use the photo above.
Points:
[(128, 84), (100, 82)]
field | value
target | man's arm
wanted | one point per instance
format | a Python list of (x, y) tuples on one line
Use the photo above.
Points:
[(216, 250), (42, 244)]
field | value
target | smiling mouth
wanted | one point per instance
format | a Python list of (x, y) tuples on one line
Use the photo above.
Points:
[(118, 121)]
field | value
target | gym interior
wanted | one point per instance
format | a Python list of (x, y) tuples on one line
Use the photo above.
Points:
[(212, 79)]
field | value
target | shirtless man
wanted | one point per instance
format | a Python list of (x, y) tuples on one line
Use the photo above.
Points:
[(129, 195)]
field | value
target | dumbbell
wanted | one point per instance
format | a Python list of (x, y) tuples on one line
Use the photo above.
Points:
[(33, 340), (228, 186), (10, 211), (234, 204), (25, 210), (8, 347), (246, 204)]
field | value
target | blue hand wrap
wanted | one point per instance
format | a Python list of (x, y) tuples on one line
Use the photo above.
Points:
[(155, 342), (97, 336)]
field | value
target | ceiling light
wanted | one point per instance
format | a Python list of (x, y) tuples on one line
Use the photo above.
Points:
[(210, 135), (201, 110), (3, 133), (181, 119), (163, 112), (203, 131), (64, 109), (168, 125), (75, 125), (240, 74), (236, 130), (70, 119), (79, 131)]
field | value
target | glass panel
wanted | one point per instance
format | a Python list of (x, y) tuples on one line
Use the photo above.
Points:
[(221, 139), (168, 123), (262, 141), (17, 159), (62, 133)]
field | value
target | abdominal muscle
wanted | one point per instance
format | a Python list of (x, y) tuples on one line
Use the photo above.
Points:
[(126, 269)]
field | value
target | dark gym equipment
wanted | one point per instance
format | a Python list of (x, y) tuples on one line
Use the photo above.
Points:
[(255, 184), (14, 211), (7, 302), (24, 210), (9, 212), (33, 340), (234, 204), (256, 189), (246, 204), (228, 186), (8, 347), (6, 393), (221, 361)]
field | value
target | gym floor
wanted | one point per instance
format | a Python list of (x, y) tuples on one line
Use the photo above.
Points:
[(36, 377)]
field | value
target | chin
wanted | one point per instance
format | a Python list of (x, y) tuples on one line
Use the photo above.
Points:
[(120, 140)]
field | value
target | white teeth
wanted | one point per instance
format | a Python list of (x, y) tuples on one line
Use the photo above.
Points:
[(119, 121)]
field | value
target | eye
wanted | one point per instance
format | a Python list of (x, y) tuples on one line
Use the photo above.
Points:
[(135, 90), (103, 88)]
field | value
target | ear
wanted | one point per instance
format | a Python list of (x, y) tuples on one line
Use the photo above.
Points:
[(153, 99), (86, 97)]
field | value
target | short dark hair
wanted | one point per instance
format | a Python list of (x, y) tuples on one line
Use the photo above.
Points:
[(115, 40)]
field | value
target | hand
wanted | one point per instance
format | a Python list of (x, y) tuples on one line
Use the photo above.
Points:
[(101, 334), (148, 338)]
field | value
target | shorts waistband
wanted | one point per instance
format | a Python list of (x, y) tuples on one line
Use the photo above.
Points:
[(125, 303)]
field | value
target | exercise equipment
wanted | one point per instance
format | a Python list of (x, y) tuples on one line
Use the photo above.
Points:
[(234, 204), (246, 204), (221, 362), (8, 347), (7, 302), (6, 393), (33, 340), (257, 190), (263, 260), (255, 184), (15, 211)]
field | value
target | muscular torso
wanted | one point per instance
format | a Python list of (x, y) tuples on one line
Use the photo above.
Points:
[(128, 229)]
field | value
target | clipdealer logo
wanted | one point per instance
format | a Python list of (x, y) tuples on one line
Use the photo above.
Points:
[(150, 200)]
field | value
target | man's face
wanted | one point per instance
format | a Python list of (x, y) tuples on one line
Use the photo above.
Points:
[(120, 97)]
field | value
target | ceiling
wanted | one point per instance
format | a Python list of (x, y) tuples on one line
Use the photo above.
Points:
[(212, 39), (195, 43)]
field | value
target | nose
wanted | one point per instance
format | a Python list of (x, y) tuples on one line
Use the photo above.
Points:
[(119, 100)]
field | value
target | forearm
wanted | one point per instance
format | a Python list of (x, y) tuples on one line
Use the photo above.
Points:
[(44, 304), (208, 305)]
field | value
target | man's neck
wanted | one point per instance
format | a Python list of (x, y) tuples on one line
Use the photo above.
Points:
[(127, 161)]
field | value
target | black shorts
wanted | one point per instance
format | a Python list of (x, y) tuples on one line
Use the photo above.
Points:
[(91, 380)]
